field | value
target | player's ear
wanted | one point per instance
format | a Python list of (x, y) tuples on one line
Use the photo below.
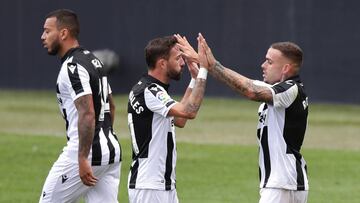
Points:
[(286, 68), (64, 34), (161, 63)]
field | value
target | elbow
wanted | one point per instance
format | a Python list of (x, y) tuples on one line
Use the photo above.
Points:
[(180, 125), (191, 115), (252, 96), (88, 117)]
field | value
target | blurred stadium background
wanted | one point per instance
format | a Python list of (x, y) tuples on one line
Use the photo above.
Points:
[(239, 32), (220, 144)]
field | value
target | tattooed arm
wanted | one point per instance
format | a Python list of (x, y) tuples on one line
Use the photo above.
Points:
[(86, 129), (245, 86), (191, 101), (190, 104), (251, 89)]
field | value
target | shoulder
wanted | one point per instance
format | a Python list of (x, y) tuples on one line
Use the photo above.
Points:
[(284, 86), (155, 89), (86, 59)]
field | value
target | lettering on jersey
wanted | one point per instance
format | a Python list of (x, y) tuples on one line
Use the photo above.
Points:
[(96, 63), (262, 117), (305, 103), (135, 104), (262, 113)]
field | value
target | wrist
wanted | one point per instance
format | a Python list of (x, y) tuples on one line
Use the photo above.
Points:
[(192, 83), (202, 73)]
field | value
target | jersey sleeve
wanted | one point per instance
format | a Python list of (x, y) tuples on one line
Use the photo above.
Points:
[(284, 93), (158, 100), (79, 80)]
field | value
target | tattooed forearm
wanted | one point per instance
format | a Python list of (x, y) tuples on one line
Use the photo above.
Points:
[(240, 83), (196, 97), (86, 124), (259, 93)]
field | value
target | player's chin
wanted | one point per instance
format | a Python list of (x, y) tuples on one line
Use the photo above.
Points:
[(51, 52), (176, 77)]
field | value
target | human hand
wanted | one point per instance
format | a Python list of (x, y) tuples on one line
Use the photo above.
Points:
[(206, 57), (85, 172), (193, 69), (187, 50)]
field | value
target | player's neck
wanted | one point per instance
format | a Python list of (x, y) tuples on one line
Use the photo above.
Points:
[(66, 46), (159, 75)]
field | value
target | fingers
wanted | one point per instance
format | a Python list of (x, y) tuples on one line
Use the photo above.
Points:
[(182, 40), (89, 179), (209, 55), (187, 50), (85, 173), (193, 69), (201, 51)]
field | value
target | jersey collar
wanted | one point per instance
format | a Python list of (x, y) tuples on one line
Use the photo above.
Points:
[(69, 52), (154, 80), (296, 78)]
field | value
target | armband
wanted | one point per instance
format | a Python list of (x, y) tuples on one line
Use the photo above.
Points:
[(192, 83), (202, 73)]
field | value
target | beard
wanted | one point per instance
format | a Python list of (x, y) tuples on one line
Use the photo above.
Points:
[(172, 74), (54, 48)]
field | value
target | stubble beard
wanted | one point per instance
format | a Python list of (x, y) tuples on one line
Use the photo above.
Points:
[(54, 48), (172, 74)]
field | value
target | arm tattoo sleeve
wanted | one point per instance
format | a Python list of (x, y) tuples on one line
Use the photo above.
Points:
[(86, 124), (196, 96), (241, 84)]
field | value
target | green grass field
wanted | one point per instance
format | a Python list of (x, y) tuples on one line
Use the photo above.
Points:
[(217, 152)]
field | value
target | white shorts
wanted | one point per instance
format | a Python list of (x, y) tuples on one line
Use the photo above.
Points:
[(63, 183), (275, 195), (152, 196)]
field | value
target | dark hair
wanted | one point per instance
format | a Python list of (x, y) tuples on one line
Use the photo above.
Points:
[(159, 48), (290, 50), (66, 18)]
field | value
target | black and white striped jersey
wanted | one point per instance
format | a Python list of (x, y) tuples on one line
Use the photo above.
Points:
[(281, 131), (152, 136), (81, 74)]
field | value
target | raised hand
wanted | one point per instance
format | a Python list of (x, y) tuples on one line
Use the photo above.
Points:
[(187, 50), (201, 51), (208, 59), (193, 69)]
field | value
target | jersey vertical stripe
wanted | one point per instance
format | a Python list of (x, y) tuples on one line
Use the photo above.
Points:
[(81, 74), (281, 131), (74, 78), (169, 160), (133, 174), (152, 136)]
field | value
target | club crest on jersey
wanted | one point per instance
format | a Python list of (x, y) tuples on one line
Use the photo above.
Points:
[(72, 67), (163, 97)]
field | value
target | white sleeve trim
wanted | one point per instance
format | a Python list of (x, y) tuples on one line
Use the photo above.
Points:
[(286, 98), (157, 105)]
